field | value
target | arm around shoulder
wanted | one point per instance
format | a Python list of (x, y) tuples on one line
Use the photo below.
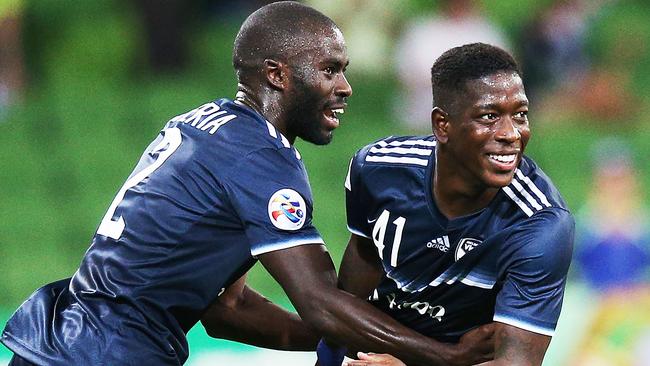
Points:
[(307, 275)]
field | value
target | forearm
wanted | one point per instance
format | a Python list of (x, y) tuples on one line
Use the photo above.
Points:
[(360, 273), (307, 275), (257, 321), (351, 321)]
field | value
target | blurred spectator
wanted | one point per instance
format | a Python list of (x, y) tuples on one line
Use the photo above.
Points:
[(613, 250), (459, 22), (369, 27), (613, 258), (553, 46), (619, 333), (563, 79), (608, 90), (11, 54), (165, 24)]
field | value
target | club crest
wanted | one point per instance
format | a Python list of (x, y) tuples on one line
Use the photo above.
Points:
[(465, 246)]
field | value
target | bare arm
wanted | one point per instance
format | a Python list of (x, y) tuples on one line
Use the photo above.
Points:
[(513, 347), (307, 275), (361, 268), (360, 273), (243, 315), (517, 347)]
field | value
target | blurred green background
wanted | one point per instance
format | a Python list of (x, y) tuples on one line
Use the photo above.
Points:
[(91, 103)]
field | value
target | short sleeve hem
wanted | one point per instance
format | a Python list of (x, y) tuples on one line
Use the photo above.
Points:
[(358, 232), (270, 247), (523, 325)]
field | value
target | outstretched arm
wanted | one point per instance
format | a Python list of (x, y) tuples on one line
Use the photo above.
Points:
[(514, 347), (243, 315), (307, 275), (360, 273)]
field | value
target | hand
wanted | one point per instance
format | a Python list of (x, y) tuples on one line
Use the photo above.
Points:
[(475, 346), (374, 359)]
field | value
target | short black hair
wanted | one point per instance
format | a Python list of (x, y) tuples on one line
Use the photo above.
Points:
[(472, 61), (277, 31)]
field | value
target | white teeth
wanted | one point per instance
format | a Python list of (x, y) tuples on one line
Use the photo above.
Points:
[(339, 110), (504, 158)]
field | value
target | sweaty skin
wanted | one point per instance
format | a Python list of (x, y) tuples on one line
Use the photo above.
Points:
[(361, 272), (481, 139), (491, 119), (300, 94)]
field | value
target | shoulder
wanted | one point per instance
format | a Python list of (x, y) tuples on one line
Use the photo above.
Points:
[(531, 190), (209, 117), (535, 178), (233, 132), (397, 150), (386, 154), (554, 222), (545, 238)]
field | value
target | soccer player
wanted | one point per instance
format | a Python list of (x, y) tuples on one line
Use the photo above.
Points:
[(459, 229), (221, 187)]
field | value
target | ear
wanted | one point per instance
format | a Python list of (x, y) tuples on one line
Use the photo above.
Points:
[(440, 124), (276, 74)]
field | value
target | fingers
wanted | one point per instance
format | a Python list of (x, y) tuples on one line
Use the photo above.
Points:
[(374, 359)]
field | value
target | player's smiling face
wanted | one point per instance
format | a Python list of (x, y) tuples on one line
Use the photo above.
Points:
[(319, 89), (488, 135)]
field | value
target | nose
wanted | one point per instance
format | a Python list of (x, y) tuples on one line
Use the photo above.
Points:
[(507, 130), (343, 87)]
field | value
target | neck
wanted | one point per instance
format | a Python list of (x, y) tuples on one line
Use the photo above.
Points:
[(456, 195), (247, 97), (265, 104)]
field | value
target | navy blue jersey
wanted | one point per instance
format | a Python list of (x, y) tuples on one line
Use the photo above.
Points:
[(219, 186), (508, 262)]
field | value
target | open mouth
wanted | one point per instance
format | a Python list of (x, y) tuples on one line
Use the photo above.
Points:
[(331, 115), (503, 161)]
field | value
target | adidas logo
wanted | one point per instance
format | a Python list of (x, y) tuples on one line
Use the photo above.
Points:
[(441, 243)]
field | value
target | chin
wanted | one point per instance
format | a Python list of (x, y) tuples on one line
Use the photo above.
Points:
[(323, 138), (499, 180)]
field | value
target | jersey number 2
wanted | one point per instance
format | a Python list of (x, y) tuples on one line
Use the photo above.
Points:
[(379, 232), (165, 148)]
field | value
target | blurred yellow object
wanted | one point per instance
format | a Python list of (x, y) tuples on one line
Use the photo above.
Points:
[(620, 330)]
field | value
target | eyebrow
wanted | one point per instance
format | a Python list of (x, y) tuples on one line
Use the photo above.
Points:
[(523, 103), (334, 60)]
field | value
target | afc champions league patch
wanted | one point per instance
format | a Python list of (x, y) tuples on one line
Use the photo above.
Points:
[(287, 209), (465, 246)]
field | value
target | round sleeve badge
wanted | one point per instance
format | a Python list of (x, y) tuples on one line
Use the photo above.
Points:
[(287, 209)]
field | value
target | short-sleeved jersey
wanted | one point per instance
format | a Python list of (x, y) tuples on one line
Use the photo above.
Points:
[(219, 186), (507, 262)]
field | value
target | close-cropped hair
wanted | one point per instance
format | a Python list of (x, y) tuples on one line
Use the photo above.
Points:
[(276, 31), (458, 65)]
